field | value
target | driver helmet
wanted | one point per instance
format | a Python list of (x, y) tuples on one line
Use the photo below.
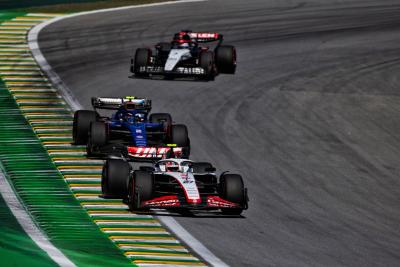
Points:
[(160, 167), (186, 167), (177, 153), (129, 117), (182, 39), (139, 117), (171, 166)]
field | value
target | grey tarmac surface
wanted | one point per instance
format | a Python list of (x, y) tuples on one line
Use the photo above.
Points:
[(311, 119)]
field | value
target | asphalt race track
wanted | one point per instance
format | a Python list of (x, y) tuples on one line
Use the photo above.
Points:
[(311, 119)]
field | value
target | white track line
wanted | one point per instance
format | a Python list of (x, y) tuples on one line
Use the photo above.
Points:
[(73, 102), (192, 242), (29, 226)]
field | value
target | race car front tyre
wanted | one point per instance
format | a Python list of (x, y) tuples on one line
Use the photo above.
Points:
[(232, 189), (114, 178), (81, 125), (142, 59), (140, 189), (225, 59), (207, 63)]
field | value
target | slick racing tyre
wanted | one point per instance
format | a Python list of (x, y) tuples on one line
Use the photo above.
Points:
[(225, 59), (232, 189), (114, 178), (207, 63), (142, 59), (81, 125), (98, 133), (162, 117), (179, 135), (97, 137), (140, 188)]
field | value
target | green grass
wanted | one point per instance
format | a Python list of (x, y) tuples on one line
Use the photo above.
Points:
[(9, 15), (48, 199)]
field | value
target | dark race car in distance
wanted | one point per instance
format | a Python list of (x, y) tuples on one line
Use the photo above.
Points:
[(185, 56), (174, 184), (131, 131)]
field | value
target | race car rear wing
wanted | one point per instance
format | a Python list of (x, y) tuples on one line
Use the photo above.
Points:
[(155, 153), (129, 102), (206, 37)]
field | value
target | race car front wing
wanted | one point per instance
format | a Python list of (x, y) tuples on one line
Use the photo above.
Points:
[(208, 202), (177, 71)]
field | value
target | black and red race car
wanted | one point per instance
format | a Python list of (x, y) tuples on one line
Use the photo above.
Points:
[(176, 184), (185, 56)]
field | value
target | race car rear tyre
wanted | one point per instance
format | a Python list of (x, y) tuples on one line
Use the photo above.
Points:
[(81, 125), (232, 189), (97, 137), (225, 59), (114, 178), (207, 63), (179, 135), (140, 188), (162, 117), (142, 59), (98, 134)]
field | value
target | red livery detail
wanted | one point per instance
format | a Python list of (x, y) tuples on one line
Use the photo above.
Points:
[(215, 201), (164, 201), (151, 152), (206, 36)]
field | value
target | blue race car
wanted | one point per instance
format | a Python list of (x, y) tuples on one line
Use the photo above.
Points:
[(130, 132)]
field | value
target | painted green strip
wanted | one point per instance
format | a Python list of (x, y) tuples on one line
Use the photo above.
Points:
[(16, 247), (50, 118), (47, 196)]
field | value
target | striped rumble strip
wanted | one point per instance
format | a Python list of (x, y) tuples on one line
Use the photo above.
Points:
[(140, 237)]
